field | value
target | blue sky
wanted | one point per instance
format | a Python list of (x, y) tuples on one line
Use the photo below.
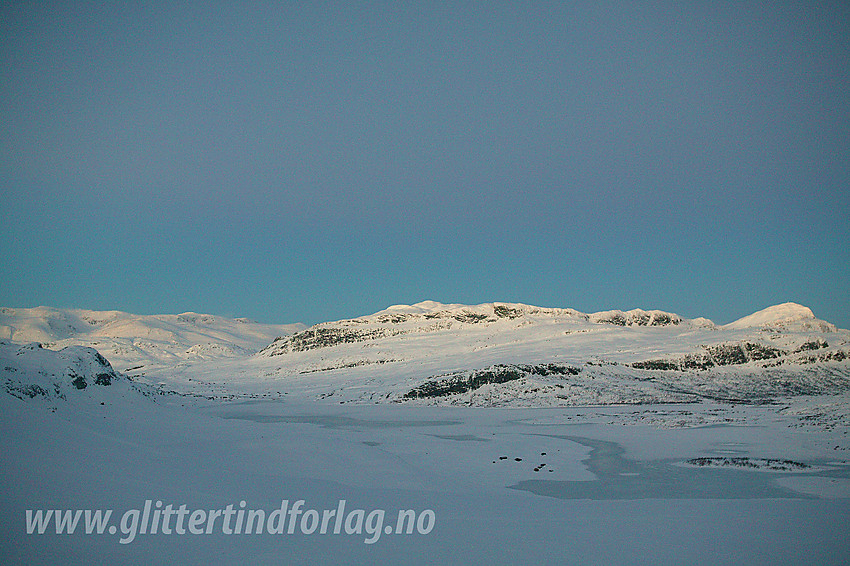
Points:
[(313, 161)]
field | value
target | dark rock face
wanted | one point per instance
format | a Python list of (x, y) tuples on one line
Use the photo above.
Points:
[(78, 381), (31, 391), (720, 355), (813, 345), (751, 463), (104, 379), (396, 318), (463, 382), (642, 318), (101, 360), (313, 338), (833, 356), (665, 365), (470, 317), (505, 312), (465, 316), (549, 369)]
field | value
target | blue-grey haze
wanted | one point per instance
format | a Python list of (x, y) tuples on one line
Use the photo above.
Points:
[(307, 161)]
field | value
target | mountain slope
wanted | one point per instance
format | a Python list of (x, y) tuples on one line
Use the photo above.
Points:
[(137, 342), (489, 320), (74, 374), (514, 354)]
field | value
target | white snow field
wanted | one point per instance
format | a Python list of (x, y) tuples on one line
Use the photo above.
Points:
[(533, 435)]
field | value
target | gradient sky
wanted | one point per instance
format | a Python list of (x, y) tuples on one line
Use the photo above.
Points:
[(309, 161)]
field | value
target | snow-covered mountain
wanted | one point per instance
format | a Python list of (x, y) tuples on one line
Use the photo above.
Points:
[(784, 317), (135, 343), (488, 354), (507, 332), (515, 354)]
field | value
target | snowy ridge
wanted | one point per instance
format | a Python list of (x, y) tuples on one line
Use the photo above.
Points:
[(130, 340), (434, 308), (494, 311), (487, 318)]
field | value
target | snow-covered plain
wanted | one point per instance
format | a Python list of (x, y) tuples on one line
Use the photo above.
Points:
[(456, 409)]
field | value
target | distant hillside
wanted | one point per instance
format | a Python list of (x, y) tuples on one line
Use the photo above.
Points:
[(137, 342)]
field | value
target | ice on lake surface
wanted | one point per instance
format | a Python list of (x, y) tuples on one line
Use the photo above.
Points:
[(614, 475), (618, 477), (332, 421), (583, 485)]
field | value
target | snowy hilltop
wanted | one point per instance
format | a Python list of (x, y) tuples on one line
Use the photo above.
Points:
[(75, 374)]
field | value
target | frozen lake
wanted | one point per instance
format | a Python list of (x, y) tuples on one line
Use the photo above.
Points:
[(615, 476), (580, 485)]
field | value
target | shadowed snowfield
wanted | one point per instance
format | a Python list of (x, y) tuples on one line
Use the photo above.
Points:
[(611, 489)]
